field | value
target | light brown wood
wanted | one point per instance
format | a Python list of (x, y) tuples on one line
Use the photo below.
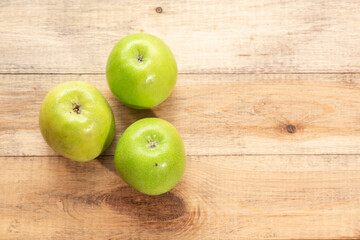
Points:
[(206, 36), (267, 103), (215, 114), (219, 197)]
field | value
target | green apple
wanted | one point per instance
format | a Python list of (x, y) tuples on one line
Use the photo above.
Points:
[(150, 156), (141, 71), (76, 121)]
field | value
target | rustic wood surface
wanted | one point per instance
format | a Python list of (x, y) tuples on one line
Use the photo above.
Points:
[(208, 36), (267, 102)]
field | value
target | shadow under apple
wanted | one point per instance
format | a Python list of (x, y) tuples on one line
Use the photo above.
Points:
[(164, 207), (124, 117)]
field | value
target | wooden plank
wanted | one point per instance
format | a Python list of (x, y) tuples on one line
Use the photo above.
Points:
[(206, 36), (215, 114), (227, 197)]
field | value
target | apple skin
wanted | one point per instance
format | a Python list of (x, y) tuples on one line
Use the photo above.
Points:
[(78, 135), (141, 71), (150, 156)]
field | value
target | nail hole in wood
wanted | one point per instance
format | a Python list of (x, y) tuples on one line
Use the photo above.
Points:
[(159, 9)]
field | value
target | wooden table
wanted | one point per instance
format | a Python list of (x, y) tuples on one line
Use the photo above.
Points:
[(267, 102)]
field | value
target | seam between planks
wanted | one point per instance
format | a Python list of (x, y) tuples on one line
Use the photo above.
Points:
[(195, 73), (212, 155)]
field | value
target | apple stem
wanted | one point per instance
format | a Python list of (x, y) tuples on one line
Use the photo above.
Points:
[(140, 58), (76, 108)]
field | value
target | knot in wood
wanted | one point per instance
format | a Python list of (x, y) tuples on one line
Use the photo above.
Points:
[(290, 128)]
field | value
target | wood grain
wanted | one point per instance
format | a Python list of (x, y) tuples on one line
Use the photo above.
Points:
[(215, 114), (219, 197), (207, 36), (267, 103)]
